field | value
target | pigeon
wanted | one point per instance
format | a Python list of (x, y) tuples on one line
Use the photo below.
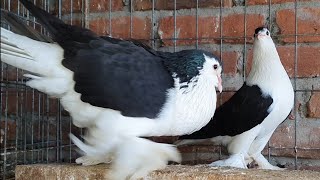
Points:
[(245, 123), (120, 91)]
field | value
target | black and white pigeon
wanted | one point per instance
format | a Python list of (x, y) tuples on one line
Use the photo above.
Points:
[(247, 120), (120, 91)]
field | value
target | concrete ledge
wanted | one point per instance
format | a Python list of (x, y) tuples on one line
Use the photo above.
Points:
[(176, 172)]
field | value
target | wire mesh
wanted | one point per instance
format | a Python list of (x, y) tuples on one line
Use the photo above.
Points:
[(40, 123)]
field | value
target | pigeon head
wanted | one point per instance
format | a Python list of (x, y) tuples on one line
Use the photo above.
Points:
[(262, 40), (212, 68), (262, 34), (190, 65), (265, 57)]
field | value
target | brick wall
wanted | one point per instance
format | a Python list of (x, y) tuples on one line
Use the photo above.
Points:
[(226, 32)]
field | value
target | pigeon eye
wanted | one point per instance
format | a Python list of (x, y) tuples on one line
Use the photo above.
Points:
[(215, 66), (267, 33)]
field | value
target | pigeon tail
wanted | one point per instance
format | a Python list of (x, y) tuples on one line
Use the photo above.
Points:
[(27, 54)]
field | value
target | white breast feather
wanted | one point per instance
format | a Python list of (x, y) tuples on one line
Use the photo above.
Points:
[(190, 108), (269, 74)]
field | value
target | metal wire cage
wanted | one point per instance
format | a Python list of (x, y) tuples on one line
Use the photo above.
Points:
[(35, 128)]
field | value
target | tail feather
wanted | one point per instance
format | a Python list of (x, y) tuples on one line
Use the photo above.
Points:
[(24, 53), (19, 26), (8, 49)]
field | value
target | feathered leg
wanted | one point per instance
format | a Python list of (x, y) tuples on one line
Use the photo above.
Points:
[(255, 153), (238, 148)]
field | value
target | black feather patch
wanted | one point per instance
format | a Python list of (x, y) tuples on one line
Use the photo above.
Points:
[(247, 108), (127, 76), (120, 76), (186, 64)]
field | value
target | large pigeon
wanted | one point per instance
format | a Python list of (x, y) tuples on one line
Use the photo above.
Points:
[(247, 120), (120, 91)]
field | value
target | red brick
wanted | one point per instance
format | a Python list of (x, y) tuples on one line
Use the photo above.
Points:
[(95, 6), (289, 152), (75, 22), (67, 7), (103, 5), (308, 63), (208, 28), (11, 130), (308, 20), (141, 5), (230, 61), (10, 74), (233, 26), (283, 137), (266, 2), (180, 4), (12, 98), (314, 105), (141, 27), (100, 26)]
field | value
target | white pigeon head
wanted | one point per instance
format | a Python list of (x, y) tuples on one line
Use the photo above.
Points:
[(262, 39), (263, 46), (212, 68), (191, 66)]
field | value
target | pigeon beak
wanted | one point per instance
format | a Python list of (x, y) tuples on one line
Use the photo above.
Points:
[(260, 35), (219, 83)]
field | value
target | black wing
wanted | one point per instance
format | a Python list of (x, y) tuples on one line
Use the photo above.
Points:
[(247, 108), (110, 73), (120, 76)]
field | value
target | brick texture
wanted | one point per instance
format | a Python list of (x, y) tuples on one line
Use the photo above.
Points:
[(230, 61), (233, 26), (263, 2), (10, 131), (140, 5), (103, 5), (75, 6), (209, 28), (11, 73), (68, 6), (308, 24), (314, 105), (185, 29), (16, 101), (266, 2), (120, 27)]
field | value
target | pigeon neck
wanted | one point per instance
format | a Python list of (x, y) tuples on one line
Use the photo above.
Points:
[(266, 65)]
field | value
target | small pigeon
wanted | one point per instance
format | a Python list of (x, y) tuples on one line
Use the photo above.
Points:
[(247, 120)]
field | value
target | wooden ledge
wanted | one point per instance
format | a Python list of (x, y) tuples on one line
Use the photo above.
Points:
[(176, 172)]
